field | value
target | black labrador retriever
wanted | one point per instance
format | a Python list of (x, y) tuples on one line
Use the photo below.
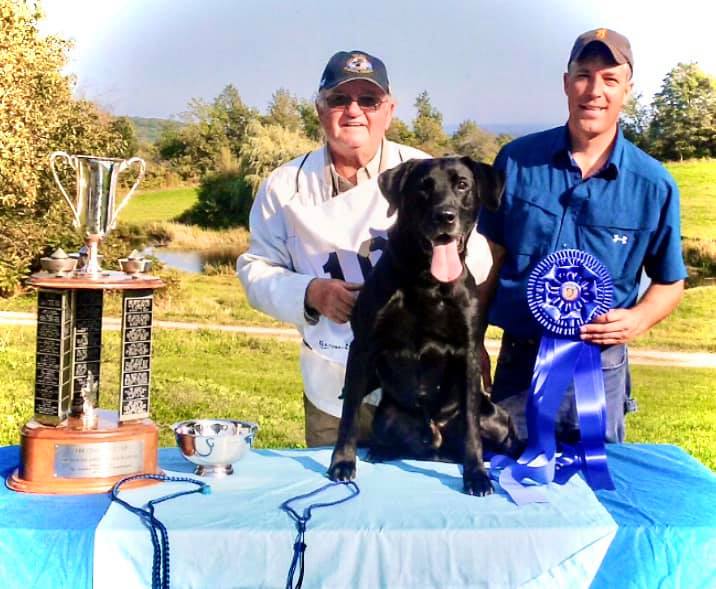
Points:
[(414, 326)]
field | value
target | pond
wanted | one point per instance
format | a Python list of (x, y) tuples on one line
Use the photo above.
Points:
[(694, 279), (699, 280), (193, 260)]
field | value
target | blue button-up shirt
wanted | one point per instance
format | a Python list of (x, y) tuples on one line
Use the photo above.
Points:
[(627, 215)]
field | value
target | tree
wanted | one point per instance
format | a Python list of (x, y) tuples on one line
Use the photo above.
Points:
[(684, 120), (212, 137), (123, 128), (31, 86), (635, 120), (400, 133), (199, 144), (428, 127), (37, 111), (503, 139), (37, 116), (471, 140), (284, 111), (231, 117), (309, 120), (268, 146), (225, 197)]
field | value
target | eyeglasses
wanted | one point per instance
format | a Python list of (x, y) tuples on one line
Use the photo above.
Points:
[(365, 102)]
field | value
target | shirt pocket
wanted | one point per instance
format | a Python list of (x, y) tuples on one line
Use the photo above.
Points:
[(530, 229), (619, 239)]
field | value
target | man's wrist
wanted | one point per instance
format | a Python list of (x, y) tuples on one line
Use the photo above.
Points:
[(310, 314)]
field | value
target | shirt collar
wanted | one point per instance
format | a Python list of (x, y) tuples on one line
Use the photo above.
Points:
[(370, 170), (562, 155)]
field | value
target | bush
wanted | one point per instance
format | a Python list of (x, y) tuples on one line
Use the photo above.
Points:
[(224, 200), (24, 239), (266, 147), (701, 255)]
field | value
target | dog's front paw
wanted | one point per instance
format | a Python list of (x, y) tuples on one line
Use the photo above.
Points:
[(342, 470), (477, 482)]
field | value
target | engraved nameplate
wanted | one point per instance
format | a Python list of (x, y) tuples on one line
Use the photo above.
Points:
[(87, 345), (103, 459), (136, 362), (53, 356)]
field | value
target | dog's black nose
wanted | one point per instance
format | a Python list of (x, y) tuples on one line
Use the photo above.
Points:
[(445, 216)]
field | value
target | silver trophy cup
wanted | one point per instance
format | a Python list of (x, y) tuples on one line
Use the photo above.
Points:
[(95, 207)]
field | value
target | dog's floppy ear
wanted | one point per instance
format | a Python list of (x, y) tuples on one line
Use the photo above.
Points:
[(491, 183), (392, 182)]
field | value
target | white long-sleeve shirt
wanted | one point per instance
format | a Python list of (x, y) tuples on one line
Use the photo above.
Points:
[(275, 271)]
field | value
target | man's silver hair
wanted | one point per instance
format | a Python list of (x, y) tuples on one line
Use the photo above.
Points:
[(321, 100)]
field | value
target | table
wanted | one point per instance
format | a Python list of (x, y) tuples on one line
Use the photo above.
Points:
[(410, 527)]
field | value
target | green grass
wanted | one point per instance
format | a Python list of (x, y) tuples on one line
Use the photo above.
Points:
[(696, 180), (209, 373), (690, 328), (221, 299), (199, 298), (212, 374), (193, 237), (676, 406), (213, 299), (697, 184), (194, 374), (25, 302), (158, 205)]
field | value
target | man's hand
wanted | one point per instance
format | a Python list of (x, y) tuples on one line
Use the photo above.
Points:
[(618, 326), (332, 298)]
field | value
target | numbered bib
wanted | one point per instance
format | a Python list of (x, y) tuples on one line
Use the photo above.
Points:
[(340, 238)]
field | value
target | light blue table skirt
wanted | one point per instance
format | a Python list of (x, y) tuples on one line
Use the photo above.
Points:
[(410, 527)]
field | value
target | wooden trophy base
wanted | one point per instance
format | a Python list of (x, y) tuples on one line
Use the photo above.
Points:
[(73, 459)]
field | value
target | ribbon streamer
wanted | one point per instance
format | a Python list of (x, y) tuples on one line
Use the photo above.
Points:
[(565, 290)]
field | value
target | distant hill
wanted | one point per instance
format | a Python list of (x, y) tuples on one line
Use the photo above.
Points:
[(149, 130), (517, 129), (514, 129)]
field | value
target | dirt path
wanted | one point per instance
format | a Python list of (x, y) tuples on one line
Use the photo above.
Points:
[(636, 356)]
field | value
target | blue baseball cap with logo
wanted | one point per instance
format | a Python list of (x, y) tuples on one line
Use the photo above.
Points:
[(346, 66)]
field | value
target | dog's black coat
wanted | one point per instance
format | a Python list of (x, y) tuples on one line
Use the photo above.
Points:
[(415, 337)]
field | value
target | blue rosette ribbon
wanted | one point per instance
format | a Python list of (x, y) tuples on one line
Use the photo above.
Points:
[(566, 289)]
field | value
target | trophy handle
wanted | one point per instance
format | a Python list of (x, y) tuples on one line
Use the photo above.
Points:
[(73, 164), (123, 166)]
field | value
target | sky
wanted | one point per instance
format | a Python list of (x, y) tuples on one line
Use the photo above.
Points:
[(492, 61)]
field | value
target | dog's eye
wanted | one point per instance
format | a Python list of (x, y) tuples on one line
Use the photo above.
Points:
[(462, 184)]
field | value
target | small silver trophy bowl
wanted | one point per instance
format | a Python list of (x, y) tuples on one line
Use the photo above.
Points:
[(214, 444), (134, 263), (59, 263)]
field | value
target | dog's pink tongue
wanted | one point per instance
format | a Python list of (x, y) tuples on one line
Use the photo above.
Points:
[(446, 265)]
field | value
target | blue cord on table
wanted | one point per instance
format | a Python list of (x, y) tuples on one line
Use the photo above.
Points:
[(161, 559), (299, 546)]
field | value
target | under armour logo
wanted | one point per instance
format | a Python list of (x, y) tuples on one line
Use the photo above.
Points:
[(620, 239)]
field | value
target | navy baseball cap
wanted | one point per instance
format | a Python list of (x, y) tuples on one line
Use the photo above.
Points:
[(346, 66), (617, 44)]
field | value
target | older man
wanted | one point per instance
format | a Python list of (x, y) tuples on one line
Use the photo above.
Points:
[(318, 225), (584, 186)]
